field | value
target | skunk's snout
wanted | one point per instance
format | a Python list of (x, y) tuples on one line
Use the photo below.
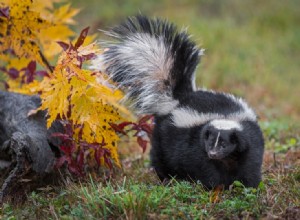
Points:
[(219, 143), (213, 154)]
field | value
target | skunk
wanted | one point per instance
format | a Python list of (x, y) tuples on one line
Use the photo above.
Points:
[(199, 135)]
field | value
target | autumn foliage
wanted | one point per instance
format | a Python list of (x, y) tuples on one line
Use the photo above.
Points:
[(32, 34)]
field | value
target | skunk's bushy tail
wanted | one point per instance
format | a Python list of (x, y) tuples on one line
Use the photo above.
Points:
[(152, 61)]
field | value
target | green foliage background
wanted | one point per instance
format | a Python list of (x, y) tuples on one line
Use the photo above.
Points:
[(252, 46)]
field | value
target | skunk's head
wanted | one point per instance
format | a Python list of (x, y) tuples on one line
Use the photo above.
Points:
[(221, 138)]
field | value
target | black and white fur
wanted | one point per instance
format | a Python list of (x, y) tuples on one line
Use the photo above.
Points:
[(199, 135)]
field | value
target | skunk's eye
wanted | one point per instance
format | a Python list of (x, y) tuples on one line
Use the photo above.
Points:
[(222, 144), (206, 135), (233, 138)]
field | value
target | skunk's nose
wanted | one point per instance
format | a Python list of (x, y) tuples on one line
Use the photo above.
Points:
[(212, 154)]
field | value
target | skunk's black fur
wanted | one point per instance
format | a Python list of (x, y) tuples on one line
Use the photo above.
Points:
[(199, 135)]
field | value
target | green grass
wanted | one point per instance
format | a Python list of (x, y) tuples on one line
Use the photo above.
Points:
[(131, 199), (252, 50), (136, 193)]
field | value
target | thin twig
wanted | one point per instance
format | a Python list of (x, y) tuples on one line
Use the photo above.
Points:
[(45, 61)]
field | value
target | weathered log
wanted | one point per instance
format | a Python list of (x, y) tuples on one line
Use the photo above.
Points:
[(26, 145)]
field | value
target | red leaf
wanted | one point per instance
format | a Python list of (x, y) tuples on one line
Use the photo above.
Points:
[(80, 159), (81, 37), (118, 128), (74, 169), (64, 45), (98, 154), (13, 73), (4, 12), (108, 162), (145, 119), (42, 73), (69, 129), (103, 143), (60, 161), (62, 136), (124, 124), (3, 69), (89, 56), (29, 76), (31, 66), (66, 149), (142, 143)]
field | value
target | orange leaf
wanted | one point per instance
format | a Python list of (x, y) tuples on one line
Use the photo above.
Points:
[(214, 198)]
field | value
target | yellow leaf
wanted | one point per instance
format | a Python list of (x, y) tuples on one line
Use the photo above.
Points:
[(88, 49), (20, 28), (60, 31), (49, 37), (28, 89), (65, 14), (17, 63), (55, 93), (4, 57), (95, 116), (88, 40), (43, 6), (33, 28), (75, 94)]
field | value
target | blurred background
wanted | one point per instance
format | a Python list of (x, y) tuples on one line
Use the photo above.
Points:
[(252, 46)]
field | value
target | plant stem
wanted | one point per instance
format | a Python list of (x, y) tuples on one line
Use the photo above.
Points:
[(46, 62)]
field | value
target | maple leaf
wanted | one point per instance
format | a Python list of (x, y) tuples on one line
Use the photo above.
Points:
[(92, 107), (65, 14), (74, 94), (69, 75), (62, 18), (19, 28), (87, 101), (28, 89), (45, 6), (23, 80), (143, 129), (55, 92), (17, 63), (30, 29)]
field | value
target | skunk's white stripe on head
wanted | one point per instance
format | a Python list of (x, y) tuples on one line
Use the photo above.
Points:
[(225, 124), (187, 117), (245, 113)]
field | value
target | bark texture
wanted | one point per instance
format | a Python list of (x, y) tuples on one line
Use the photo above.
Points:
[(26, 145)]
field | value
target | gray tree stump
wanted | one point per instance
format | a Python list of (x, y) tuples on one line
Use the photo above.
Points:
[(26, 146)]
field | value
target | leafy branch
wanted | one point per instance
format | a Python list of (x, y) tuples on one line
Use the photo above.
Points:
[(85, 102)]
